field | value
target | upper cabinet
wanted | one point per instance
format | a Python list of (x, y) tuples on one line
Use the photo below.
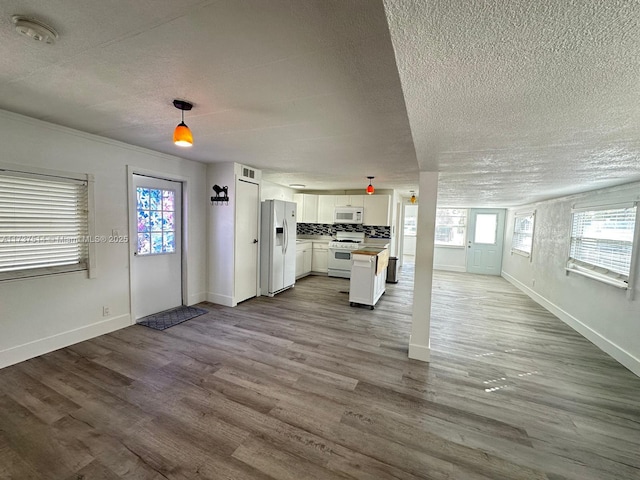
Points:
[(350, 200), (326, 208), (321, 208), (307, 207), (377, 210)]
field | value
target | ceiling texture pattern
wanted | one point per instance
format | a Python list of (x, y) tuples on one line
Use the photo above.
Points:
[(511, 102), (519, 101)]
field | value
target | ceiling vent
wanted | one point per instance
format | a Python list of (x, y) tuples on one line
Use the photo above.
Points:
[(32, 28)]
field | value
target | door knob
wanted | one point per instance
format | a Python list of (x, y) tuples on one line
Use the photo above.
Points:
[(255, 240)]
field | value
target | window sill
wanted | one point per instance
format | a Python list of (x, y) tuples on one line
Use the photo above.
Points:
[(597, 276), (521, 253), (437, 245)]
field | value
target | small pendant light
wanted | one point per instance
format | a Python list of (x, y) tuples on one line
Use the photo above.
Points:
[(370, 188), (413, 198), (182, 136)]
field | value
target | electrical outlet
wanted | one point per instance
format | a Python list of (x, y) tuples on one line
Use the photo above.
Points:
[(105, 311)]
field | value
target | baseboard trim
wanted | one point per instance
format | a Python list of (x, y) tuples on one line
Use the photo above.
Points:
[(419, 352), (604, 344), (225, 300), (450, 268), (20, 353), (196, 298)]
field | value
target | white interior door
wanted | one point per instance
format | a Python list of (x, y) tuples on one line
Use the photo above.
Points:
[(485, 239), (156, 268), (247, 230)]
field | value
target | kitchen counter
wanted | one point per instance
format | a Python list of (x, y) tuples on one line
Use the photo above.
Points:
[(368, 250)]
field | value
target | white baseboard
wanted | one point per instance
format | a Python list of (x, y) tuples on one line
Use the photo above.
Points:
[(225, 300), (20, 353), (196, 298), (618, 353), (450, 268), (419, 352)]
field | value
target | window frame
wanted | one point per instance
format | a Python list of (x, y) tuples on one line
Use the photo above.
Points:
[(601, 274), (89, 264), (465, 226), (515, 250)]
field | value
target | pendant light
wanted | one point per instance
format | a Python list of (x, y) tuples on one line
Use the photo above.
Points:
[(182, 136), (370, 188), (413, 198)]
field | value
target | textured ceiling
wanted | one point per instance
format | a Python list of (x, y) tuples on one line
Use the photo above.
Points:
[(521, 100), (307, 91), (511, 101)]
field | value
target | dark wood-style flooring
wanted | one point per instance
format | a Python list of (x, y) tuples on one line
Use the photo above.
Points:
[(301, 386)]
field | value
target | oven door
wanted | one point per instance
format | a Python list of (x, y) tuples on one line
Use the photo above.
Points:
[(339, 263)]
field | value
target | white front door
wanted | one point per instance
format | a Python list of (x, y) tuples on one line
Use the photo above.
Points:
[(486, 233), (247, 235), (156, 268)]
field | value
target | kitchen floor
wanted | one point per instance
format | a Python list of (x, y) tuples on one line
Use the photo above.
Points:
[(301, 386)]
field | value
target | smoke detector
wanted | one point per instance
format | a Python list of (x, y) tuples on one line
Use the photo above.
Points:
[(32, 28)]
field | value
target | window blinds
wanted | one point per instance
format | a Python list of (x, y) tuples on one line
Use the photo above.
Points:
[(523, 233), (43, 225), (604, 238)]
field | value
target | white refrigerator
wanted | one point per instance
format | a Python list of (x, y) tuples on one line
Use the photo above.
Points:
[(277, 246)]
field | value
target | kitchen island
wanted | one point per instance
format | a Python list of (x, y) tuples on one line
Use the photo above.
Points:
[(368, 275)]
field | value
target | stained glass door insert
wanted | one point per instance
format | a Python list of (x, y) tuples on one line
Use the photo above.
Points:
[(156, 221)]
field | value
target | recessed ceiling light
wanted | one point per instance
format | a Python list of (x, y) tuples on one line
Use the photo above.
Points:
[(35, 29), (297, 185)]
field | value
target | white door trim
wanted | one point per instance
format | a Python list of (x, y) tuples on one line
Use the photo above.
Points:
[(131, 200)]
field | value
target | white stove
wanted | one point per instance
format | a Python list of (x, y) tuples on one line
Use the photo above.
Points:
[(340, 253)]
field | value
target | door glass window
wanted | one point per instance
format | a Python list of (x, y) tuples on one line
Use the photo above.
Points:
[(156, 221), (486, 227)]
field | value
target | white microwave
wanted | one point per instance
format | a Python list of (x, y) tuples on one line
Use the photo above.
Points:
[(348, 215)]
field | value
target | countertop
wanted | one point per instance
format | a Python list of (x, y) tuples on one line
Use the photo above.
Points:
[(368, 250)]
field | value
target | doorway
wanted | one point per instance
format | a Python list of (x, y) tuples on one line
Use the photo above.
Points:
[(484, 244), (156, 265), (409, 234)]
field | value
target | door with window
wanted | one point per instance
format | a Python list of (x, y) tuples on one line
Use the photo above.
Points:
[(156, 268), (484, 244)]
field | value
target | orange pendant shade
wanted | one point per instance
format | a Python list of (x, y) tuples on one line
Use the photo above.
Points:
[(182, 136), (370, 188)]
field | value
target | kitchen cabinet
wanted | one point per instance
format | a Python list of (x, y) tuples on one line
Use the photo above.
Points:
[(377, 210), (368, 275), (320, 208), (350, 200), (320, 257), (326, 208), (304, 252), (307, 207)]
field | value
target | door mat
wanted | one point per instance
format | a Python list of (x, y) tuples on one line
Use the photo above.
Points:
[(169, 318)]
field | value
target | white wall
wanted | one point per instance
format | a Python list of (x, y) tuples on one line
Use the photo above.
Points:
[(274, 191), (600, 312), (453, 259), (42, 314), (221, 236)]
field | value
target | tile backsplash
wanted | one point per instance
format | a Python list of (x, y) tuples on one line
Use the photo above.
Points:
[(370, 231)]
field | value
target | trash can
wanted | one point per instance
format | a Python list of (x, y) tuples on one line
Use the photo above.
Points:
[(392, 270)]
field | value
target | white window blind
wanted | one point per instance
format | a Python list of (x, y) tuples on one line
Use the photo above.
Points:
[(43, 225), (603, 238), (522, 241)]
